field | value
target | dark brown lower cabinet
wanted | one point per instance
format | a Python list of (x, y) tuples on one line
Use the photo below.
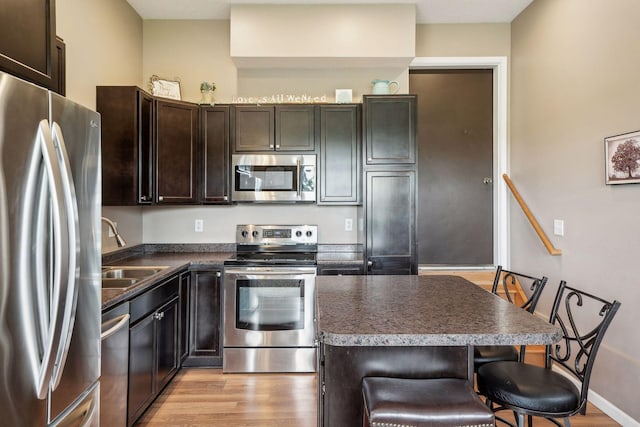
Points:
[(390, 210), (185, 290), (153, 345), (205, 319)]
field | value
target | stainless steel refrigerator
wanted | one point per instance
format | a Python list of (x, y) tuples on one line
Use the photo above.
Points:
[(49, 258)]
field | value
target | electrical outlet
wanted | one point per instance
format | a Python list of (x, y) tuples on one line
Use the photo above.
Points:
[(348, 224), (558, 227), (199, 226)]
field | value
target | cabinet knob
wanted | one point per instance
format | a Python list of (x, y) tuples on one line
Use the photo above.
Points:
[(487, 180), (225, 198), (160, 198), (218, 274), (159, 316)]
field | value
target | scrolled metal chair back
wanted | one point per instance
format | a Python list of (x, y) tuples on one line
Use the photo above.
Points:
[(573, 311), (509, 280)]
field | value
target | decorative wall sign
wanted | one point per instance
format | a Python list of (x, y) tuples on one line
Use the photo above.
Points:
[(165, 88), (622, 157), (280, 98)]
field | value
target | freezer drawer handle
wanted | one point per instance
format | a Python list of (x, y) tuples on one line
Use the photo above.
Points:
[(118, 323)]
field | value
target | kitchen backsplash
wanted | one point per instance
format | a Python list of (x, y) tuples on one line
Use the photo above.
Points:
[(160, 224)]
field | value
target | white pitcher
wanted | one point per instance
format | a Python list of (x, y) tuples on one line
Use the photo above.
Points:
[(383, 87)]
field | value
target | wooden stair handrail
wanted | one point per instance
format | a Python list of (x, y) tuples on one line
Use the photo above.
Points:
[(539, 231)]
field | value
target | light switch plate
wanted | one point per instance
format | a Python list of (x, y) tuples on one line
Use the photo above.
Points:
[(558, 227)]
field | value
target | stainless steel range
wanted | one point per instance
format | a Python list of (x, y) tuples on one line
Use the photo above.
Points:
[(269, 294)]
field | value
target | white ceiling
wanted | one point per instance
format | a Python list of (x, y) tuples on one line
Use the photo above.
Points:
[(427, 11)]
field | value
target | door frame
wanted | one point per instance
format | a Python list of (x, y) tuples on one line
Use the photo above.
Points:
[(500, 142)]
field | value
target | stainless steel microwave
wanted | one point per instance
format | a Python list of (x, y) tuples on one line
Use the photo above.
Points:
[(273, 178)]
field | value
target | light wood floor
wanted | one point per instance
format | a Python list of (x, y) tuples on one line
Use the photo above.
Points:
[(207, 397)]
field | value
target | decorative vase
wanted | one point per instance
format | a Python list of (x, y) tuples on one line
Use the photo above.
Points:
[(207, 97)]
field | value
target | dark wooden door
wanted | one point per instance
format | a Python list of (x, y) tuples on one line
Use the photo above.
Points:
[(28, 41), (390, 222), (340, 155), (253, 128), (185, 285), (455, 129), (167, 343), (390, 129), (295, 127), (141, 367), (145, 140), (206, 303), (176, 152), (215, 154), (127, 145)]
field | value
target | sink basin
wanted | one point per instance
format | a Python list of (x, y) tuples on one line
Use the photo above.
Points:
[(113, 283), (124, 277)]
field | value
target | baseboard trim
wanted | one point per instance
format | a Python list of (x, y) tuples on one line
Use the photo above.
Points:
[(611, 410)]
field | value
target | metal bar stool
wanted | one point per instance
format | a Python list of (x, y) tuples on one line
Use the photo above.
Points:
[(508, 281), (437, 402), (535, 391)]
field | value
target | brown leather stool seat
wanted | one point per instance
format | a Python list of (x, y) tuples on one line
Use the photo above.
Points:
[(438, 402)]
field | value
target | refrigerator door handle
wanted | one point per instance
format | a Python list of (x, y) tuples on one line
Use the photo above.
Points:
[(70, 282), (50, 200)]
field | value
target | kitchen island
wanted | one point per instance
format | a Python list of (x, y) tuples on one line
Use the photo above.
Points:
[(408, 327)]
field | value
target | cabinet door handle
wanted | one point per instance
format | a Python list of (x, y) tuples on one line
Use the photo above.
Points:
[(218, 274), (369, 265)]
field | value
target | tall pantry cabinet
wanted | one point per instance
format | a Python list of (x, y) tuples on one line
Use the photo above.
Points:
[(390, 170)]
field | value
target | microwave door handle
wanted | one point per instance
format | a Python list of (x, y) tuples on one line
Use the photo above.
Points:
[(299, 191)]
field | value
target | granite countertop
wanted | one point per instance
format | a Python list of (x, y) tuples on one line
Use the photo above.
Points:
[(421, 311), (174, 261), (177, 257)]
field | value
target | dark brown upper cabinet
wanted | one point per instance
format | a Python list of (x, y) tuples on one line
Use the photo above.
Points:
[(340, 163), (390, 129), (269, 128), (176, 152), (214, 123), (150, 148), (127, 145), (28, 41)]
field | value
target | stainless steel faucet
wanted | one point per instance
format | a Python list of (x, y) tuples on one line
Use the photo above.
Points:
[(119, 239)]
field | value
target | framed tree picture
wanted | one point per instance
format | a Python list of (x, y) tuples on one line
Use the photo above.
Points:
[(622, 157)]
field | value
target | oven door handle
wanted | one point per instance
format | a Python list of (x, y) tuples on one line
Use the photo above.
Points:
[(252, 271)]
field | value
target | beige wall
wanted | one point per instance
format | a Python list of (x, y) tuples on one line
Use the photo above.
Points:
[(192, 51), (346, 33), (463, 40), (103, 47), (574, 82)]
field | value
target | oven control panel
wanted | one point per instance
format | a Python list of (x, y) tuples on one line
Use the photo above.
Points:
[(252, 234)]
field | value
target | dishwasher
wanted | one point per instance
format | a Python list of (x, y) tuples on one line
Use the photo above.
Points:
[(115, 366)]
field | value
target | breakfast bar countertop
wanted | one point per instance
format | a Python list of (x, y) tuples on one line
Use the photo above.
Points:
[(421, 311)]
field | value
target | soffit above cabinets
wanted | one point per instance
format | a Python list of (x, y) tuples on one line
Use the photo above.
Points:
[(427, 11), (322, 36)]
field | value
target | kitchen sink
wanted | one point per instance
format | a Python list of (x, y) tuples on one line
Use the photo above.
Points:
[(113, 283), (124, 277)]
